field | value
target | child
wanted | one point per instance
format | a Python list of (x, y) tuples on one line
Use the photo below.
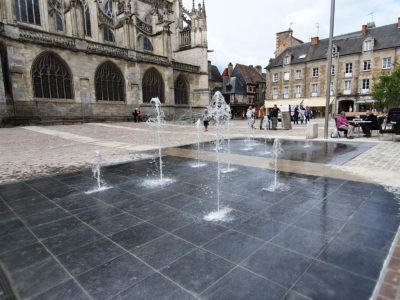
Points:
[(206, 119), (301, 118)]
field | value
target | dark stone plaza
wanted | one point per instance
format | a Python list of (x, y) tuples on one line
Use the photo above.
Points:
[(320, 238)]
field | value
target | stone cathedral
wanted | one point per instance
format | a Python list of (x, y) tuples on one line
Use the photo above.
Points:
[(100, 59)]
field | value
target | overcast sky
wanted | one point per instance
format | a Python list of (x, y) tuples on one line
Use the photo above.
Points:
[(245, 31)]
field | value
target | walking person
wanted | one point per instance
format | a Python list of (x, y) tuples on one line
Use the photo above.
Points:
[(261, 114), (307, 114), (206, 119), (251, 116), (274, 116), (296, 115), (135, 115)]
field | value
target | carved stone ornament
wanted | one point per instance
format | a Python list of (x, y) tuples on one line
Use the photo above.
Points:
[(56, 6), (142, 26)]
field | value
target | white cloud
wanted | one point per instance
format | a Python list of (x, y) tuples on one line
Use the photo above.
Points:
[(245, 32)]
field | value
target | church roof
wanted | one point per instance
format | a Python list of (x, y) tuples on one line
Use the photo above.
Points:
[(385, 37), (215, 74)]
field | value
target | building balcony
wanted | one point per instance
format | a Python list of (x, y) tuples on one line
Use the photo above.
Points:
[(365, 91), (348, 75), (314, 94), (347, 92)]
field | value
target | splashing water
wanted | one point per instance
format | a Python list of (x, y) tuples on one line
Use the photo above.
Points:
[(250, 130), (96, 169), (158, 122), (221, 215), (198, 164), (277, 186), (229, 169), (220, 112)]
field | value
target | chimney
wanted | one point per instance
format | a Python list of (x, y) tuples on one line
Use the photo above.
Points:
[(398, 23), (314, 40), (230, 69), (364, 29), (259, 69)]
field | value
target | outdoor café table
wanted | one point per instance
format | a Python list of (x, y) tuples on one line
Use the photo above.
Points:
[(358, 123)]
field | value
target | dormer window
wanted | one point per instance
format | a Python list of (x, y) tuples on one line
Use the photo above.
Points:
[(287, 59), (368, 45)]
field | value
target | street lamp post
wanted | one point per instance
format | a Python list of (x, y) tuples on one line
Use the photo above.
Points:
[(328, 81)]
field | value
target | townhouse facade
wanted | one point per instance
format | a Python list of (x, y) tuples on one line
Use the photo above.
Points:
[(298, 74), (243, 86)]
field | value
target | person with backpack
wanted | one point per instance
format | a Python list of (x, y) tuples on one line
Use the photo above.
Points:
[(261, 114)]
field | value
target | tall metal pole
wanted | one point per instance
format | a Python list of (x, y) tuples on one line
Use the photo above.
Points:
[(328, 81), (337, 82)]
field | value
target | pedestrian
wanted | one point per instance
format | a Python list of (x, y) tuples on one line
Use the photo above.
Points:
[(296, 115), (139, 115), (206, 119), (274, 116), (251, 116), (261, 114), (307, 114), (135, 115), (301, 118)]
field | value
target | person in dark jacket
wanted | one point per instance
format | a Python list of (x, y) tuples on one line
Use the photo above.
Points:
[(366, 128), (296, 115), (274, 116)]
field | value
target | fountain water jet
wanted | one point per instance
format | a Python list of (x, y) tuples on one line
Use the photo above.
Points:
[(96, 169), (198, 164), (158, 122), (229, 169), (250, 131), (220, 112), (277, 186)]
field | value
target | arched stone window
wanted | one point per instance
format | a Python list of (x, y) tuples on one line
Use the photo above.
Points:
[(152, 86), (109, 83), (51, 78), (181, 91), (27, 11), (59, 22), (145, 44), (108, 34), (87, 27)]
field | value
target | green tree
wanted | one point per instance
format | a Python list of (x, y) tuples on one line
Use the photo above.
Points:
[(386, 89)]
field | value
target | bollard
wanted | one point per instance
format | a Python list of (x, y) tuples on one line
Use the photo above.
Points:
[(312, 131)]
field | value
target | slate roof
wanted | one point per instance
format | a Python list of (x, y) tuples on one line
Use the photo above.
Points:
[(238, 86), (243, 75), (248, 74), (215, 74), (385, 37)]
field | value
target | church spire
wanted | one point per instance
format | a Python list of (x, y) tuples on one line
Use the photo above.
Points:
[(204, 9), (193, 7)]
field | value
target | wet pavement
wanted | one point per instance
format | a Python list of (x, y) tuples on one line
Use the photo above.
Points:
[(298, 150), (324, 238)]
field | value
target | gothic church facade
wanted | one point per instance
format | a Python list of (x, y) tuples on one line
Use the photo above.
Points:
[(99, 59)]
